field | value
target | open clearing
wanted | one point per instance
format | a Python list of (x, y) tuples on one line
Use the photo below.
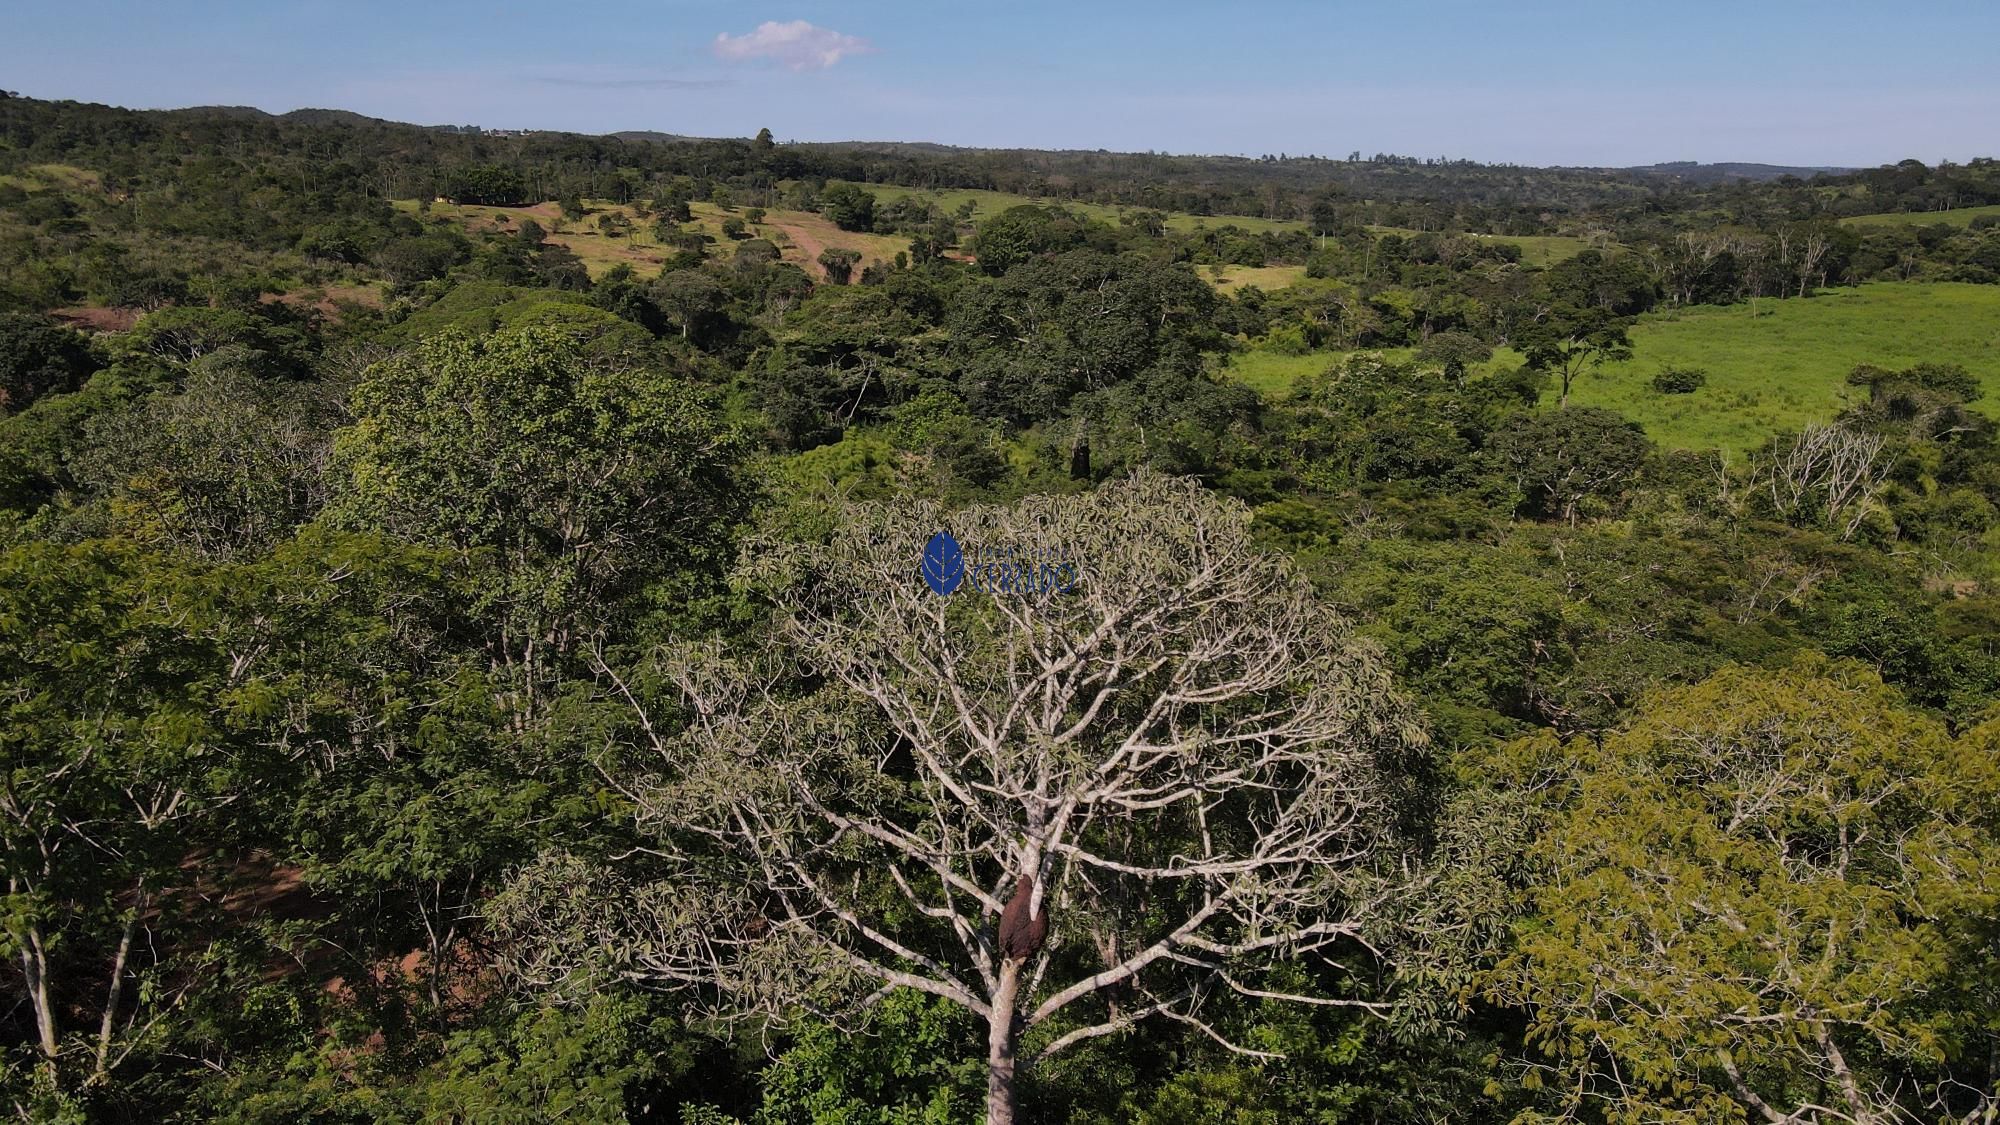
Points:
[(1779, 369), (799, 235), (1273, 374), (1788, 365), (1231, 278), (1543, 250), (59, 177)]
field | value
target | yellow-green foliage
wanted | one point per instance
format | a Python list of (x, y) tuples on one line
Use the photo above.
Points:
[(860, 465), (1766, 873), (60, 177)]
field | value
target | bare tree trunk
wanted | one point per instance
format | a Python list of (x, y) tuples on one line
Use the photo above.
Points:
[(110, 1018), (1850, 1090), (1000, 1046), (35, 967)]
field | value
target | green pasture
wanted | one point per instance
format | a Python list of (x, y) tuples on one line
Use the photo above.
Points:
[(1787, 365), (1273, 374), (1536, 249), (1776, 368), (61, 177), (1542, 249)]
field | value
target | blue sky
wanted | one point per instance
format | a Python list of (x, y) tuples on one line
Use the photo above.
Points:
[(1611, 82)]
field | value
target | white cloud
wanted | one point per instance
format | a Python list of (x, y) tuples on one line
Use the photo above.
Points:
[(797, 44)]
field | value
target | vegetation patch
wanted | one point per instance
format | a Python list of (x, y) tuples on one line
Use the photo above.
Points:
[(1956, 216)]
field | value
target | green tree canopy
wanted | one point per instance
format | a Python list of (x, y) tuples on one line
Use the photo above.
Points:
[(848, 207), (1770, 893), (573, 480)]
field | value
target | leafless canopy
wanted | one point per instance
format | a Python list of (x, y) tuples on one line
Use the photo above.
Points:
[(1830, 471), (1186, 763)]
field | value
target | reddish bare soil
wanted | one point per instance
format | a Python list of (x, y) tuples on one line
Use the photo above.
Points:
[(808, 248), (98, 320), (328, 299)]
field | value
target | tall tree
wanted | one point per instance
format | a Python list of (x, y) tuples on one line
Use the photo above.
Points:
[(38, 357), (572, 478), (111, 770), (848, 207), (1567, 341), (228, 466), (1063, 812)]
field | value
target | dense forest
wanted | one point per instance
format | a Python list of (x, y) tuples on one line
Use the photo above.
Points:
[(478, 643)]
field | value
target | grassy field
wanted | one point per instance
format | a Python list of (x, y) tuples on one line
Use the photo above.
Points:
[(1272, 374), (1231, 278), (42, 177), (1536, 249), (1778, 370), (986, 204), (1542, 249), (1957, 217), (800, 235), (1251, 223), (1788, 365)]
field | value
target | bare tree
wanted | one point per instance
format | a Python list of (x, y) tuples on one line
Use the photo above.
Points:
[(1757, 269), (1830, 471), (1063, 812), (1812, 249), (1683, 262)]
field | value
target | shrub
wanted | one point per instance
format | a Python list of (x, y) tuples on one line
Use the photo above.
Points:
[(1680, 380)]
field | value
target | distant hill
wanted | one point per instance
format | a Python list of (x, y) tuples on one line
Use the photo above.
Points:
[(331, 117), (224, 111), (297, 116), (1685, 172), (1383, 189), (663, 138), (902, 146), (1690, 172)]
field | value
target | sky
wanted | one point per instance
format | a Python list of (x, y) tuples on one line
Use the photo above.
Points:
[(1613, 82)]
